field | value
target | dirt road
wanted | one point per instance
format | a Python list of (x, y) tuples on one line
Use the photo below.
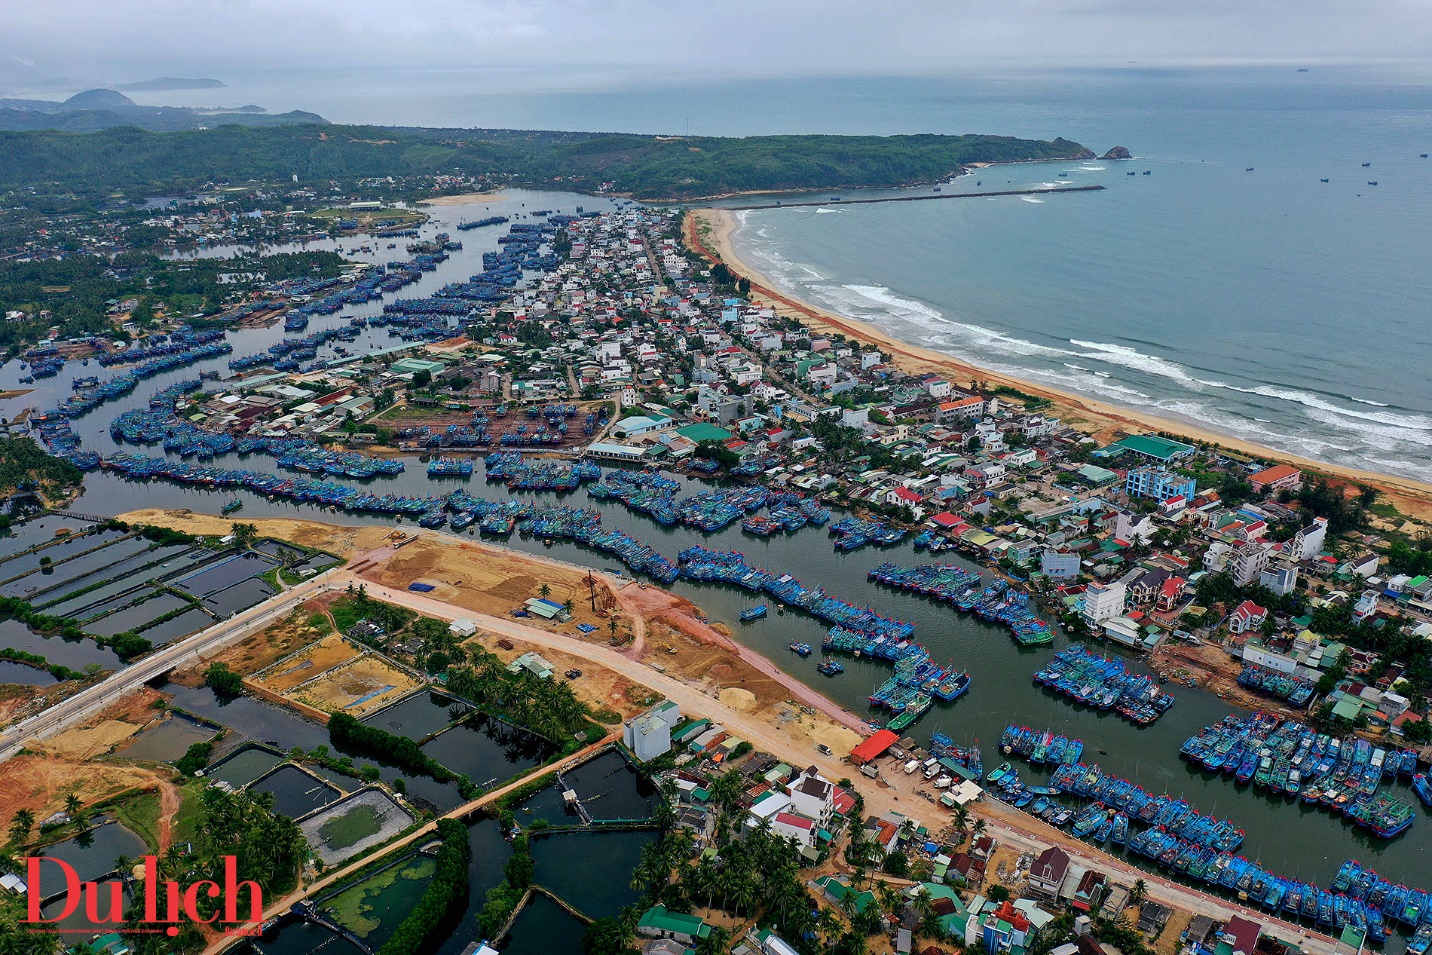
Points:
[(1010, 826)]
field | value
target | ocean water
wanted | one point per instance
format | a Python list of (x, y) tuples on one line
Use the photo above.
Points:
[(1230, 287), (1263, 304)]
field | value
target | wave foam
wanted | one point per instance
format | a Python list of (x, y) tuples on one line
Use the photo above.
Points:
[(1410, 422), (961, 333), (1138, 361), (1031, 199)]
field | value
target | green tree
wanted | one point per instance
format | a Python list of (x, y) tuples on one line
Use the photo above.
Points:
[(223, 681), (20, 825), (606, 936), (244, 534)]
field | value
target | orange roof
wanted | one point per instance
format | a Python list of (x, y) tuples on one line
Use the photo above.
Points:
[(873, 747), (1276, 473)]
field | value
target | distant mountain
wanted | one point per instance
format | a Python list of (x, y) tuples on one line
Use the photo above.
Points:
[(99, 99), (98, 109), (165, 83)]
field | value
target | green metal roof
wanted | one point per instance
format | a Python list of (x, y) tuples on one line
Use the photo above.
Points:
[(658, 918), (1151, 445), (704, 432)]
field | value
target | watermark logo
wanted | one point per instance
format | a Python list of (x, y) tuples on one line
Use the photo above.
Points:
[(167, 905)]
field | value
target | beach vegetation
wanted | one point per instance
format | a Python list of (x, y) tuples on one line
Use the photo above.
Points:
[(128, 160)]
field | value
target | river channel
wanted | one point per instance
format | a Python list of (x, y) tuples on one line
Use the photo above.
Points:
[(1286, 837)]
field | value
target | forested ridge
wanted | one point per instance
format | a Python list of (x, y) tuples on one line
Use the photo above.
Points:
[(647, 167)]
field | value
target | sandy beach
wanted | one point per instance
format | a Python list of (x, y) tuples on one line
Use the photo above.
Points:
[(710, 231), (464, 199)]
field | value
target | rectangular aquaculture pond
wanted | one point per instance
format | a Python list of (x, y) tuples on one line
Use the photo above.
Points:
[(58, 579), (141, 566), (225, 573), (33, 533), (22, 674), (244, 767), (240, 596), (190, 621), (136, 616), (295, 793), (75, 654), (590, 870), (488, 751), (69, 547), (167, 741), (417, 716), (360, 821), (374, 908)]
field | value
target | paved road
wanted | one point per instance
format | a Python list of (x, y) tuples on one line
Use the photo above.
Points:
[(91, 700)]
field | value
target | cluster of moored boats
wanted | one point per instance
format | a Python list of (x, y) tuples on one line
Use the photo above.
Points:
[(450, 467), (852, 533), (786, 511), (1289, 758), (997, 602), (1281, 686), (1040, 747), (1104, 683), (1203, 849), (917, 683), (534, 474)]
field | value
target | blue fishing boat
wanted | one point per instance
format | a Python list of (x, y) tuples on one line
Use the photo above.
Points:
[(801, 649), (753, 613), (831, 667), (232, 506)]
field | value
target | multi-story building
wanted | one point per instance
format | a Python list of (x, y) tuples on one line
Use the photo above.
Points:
[(1102, 601), (1159, 483)]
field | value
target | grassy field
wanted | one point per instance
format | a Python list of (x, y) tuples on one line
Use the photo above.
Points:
[(140, 814), (186, 820)]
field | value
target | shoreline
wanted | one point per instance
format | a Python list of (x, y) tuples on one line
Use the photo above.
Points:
[(711, 231), (463, 199)]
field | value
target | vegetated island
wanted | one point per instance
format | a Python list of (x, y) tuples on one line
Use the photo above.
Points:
[(168, 83), (98, 109), (659, 168)]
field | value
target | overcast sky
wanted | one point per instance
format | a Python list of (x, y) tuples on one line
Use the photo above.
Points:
[(80, 43)]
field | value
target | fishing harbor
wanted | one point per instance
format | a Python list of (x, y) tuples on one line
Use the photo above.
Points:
[(819, 594)]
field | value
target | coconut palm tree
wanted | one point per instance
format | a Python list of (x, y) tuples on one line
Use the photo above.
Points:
[(544, 591), (1139, 892), (20, 825), (73, 807), (715, 943), (962, 822)]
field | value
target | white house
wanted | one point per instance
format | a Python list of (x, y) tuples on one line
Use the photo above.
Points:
[(1102, 601), (1308, 542), (813, 795)]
